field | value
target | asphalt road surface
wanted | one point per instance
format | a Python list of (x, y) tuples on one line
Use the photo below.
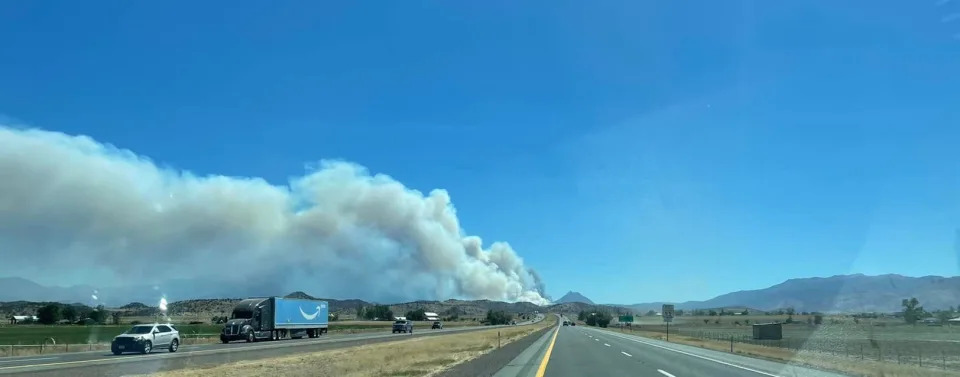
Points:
[(584, 351), (103, 363)]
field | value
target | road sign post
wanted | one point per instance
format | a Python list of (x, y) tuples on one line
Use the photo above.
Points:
[(667, 314)]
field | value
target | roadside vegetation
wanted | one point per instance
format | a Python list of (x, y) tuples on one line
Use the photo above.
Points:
[(424, 356)]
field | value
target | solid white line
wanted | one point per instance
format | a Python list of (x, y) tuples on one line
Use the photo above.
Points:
[(607, 344), (695, 355), (628, 355), (35, 359), (663, 372)]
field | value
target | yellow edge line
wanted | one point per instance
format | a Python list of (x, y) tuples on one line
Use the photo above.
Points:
[(546, 356)]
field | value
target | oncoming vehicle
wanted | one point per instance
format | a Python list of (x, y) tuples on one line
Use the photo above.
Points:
[(145, 338), (402, 325), (437, 325)]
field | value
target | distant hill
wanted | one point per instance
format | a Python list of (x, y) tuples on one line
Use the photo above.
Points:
[(573, 297), (840, 293), (465, 308), (576, 307)]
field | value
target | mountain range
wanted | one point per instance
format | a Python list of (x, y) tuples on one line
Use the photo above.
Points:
[(840, 293)]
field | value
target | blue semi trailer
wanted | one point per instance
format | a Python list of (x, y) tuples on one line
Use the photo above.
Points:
[(276, 318)]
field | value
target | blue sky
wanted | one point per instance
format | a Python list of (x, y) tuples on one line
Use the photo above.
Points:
[(630, 151)]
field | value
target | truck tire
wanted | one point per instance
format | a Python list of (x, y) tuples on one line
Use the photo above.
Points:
[(250, 337)]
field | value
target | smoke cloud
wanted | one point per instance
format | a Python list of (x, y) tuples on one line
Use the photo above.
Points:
[(71, 203)]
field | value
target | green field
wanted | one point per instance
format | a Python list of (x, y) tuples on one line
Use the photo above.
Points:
[(35, 334), (67, 334)]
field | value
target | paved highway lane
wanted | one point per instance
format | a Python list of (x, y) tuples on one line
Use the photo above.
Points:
[(103, 363), (584, 351)]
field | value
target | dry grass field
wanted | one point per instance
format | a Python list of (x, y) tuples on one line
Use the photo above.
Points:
[(415, 357)]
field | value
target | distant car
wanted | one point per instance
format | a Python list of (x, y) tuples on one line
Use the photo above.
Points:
[(403, 326), (566, 323), (437, 325), (513, 323), (146, 338), (573, 323)]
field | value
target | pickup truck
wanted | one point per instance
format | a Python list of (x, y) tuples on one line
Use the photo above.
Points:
[(403, 326)]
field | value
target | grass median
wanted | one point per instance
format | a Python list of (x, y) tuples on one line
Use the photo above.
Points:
[(424, 356), (809, 358)]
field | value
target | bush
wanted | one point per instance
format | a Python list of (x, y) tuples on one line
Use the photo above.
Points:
[(48, 314), (417, 315), (716, 322), (498, 317), (706, 321), (746, 321), (817, 319)]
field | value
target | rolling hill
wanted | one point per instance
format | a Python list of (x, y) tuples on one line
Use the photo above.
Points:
[(573, 297), (840, 293)]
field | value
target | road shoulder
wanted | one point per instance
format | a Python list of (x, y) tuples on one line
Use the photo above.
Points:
[(508, 358)]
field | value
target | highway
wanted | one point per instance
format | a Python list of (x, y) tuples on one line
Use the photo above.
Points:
[(575, 351), (103, 363)]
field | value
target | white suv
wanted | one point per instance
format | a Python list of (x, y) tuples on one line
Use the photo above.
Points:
[(145, 338)]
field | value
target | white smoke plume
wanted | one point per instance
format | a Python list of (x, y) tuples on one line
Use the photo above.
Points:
[(69, 202)]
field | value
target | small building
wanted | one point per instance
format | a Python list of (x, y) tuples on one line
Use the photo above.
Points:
[(767, 331), (432, 316), (22, 318)]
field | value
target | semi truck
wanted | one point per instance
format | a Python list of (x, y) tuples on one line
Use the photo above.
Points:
[(276, 318)]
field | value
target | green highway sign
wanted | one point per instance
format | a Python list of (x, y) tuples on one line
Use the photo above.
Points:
[(626, 318)]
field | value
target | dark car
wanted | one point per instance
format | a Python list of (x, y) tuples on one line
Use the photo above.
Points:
[(437, 325), (403, 326)]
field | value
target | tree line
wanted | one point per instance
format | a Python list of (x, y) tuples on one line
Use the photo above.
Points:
[(53, 313), (375, 312), (599, 318)]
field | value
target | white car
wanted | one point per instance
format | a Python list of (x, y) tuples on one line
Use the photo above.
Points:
[(145, 338)]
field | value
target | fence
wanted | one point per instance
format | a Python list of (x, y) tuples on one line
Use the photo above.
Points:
[(49, 348), (934, 354)]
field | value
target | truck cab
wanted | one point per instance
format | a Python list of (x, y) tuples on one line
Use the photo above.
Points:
[(275, 318)]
